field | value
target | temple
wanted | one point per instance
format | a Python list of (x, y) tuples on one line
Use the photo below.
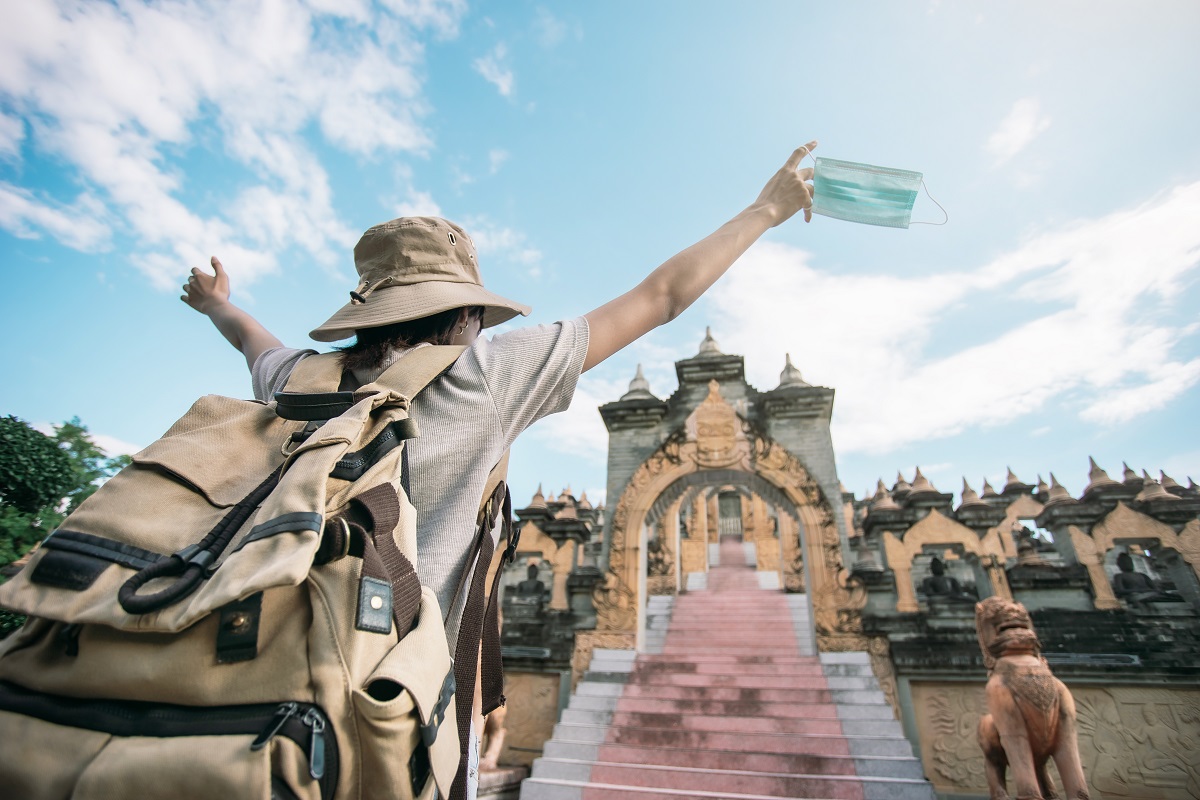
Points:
[(878, 593)]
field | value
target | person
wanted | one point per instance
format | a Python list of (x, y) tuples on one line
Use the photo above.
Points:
[(420, 283)]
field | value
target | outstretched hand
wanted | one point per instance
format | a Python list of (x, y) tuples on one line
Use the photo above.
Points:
[(789, 190), (202, 291)]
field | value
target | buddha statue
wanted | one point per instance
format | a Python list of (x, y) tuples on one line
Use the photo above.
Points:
[(1137, 588), (940, 586)]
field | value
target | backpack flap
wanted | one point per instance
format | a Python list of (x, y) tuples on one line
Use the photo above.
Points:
[(181, 490)]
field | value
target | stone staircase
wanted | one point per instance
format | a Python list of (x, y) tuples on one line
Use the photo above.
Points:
[(728, 701)]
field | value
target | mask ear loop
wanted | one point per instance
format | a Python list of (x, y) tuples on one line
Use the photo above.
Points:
[(923, 186), (936, 203)]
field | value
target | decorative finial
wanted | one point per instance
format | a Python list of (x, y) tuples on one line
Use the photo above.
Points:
[(1153, 490), (921, 484), (790, 375), (1097, 477), (639, 388), (1058, 493), (884, 502), (970, 498), (1011, 479), (709, 346), (539, 500)]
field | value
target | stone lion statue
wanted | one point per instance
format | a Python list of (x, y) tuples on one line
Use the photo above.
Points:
[(1032, 714)]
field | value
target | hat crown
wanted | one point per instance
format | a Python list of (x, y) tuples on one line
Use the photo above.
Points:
[(416, 249)]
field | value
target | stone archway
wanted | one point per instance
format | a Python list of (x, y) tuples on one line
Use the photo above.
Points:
[(769, 523), (716, 446)]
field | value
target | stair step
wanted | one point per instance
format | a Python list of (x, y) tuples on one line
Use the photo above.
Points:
[(725, 708), (791, 763), (774, 784), (846, 744)]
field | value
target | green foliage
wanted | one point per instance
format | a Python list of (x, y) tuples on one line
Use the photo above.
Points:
[(87, 466), (10, 621), (34, 470)]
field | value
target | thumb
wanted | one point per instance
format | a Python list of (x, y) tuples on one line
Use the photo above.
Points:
[(216, 262)]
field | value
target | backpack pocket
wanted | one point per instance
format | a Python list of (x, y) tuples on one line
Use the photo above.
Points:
[(59, 747), (407, 706)]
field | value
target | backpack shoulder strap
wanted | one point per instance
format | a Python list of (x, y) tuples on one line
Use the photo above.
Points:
[(417, 369), (316, 373)]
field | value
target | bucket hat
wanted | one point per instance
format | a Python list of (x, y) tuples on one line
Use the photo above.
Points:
[(411, 268)]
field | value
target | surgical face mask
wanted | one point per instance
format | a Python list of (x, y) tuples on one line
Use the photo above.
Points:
[(867, 194)]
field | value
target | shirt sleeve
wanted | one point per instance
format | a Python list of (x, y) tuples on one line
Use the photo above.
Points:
[(532, 372), (272, 369)]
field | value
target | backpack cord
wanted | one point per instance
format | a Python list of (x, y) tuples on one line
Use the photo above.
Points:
[(191, 564)]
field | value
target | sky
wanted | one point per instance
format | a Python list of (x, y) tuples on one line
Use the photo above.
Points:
[(1051, 319)]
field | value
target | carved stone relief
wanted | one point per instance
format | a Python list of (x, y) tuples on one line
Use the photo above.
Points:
[(1136, 742), (532, 710)]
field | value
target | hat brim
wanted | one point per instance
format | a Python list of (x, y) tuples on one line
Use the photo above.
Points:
[(393, 304)]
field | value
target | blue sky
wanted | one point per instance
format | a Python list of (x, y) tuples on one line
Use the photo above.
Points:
[(1053, 318)]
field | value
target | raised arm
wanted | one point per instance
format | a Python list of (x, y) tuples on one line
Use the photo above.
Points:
[(682, 278), (209, 294)]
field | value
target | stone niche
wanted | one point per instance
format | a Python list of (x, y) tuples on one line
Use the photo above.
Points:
[(1136, 741)]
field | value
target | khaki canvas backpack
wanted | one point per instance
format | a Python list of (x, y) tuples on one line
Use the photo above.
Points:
[(237, 615)]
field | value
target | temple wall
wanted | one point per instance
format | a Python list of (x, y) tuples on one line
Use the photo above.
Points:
[(533, 706), (1136, 742)]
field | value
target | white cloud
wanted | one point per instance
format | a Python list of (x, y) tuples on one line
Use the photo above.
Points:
[(419, 204), (580, 431), (1024, 123), (79, 225), (1094, 336), (12, 133), (499, 242), (121, 90), (495, 71), (1167, 382), (112, 446), (496, 159), (550, 30)]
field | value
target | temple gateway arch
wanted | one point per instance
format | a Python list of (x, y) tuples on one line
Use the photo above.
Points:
[(720, 458)]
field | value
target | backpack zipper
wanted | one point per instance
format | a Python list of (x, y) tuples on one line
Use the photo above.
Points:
[(304, 723)]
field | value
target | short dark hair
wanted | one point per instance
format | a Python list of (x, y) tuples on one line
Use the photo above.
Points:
[(372, 345)]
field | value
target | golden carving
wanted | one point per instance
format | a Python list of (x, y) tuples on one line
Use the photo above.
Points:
[(880, 651), (1031, 713), (718, 434), (616, 605), (1090, 557)]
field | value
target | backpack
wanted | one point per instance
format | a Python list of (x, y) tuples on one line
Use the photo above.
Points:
[(237, 615)]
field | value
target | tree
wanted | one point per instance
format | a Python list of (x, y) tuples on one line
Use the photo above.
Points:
[(44, 479), (34, 471)]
